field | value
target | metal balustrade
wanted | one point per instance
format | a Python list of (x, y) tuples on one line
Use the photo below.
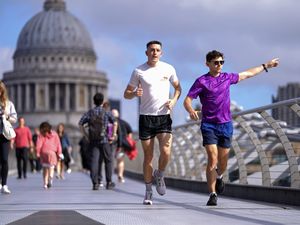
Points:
[(264, 151)]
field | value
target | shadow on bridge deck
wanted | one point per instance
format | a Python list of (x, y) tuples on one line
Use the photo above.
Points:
[(72, 201)]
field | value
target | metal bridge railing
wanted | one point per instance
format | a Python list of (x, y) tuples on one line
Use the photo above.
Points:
[(264, 151)]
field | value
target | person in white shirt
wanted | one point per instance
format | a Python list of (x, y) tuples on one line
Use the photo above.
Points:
[(7, 112), (151, 83)]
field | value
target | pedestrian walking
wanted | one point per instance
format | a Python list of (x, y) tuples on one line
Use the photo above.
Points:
[(97, 120)]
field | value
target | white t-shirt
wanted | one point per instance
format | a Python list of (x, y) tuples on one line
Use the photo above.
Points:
[(155, 82)]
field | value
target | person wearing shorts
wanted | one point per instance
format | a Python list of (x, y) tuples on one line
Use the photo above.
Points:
[(213, 90), (151, 83)]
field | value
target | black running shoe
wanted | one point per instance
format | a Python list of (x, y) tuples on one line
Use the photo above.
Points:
[(110, 185), (212, 201), (220, 186), (95, 187)]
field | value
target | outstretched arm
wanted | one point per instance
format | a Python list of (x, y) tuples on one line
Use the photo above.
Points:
[(256, 70)]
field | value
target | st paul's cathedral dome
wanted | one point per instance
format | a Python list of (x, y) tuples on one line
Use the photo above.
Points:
[(54, 74)]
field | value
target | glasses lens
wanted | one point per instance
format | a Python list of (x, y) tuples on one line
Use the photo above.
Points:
[(221, 62)]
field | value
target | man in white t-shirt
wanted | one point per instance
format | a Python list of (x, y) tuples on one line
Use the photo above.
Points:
[(151, 83)]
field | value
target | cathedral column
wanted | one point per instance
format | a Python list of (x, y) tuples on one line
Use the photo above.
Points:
[(67, 99), (57, 94), (27, 98), (86, 97), (37, 96), (19, 99), (94, 91), (46, 86), (77, 89), (11, 91)]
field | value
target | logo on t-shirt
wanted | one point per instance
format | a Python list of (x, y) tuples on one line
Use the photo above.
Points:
[(164, 78)]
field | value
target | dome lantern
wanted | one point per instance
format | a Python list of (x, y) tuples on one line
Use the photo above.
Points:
[(56, 5)]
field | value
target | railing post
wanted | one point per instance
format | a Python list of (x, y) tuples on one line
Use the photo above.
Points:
[(266, 177), (240, 161), (292, 159)]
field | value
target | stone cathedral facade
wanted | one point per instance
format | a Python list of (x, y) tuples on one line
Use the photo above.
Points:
[(54, 74)]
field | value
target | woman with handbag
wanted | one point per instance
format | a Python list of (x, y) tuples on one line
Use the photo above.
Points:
[(8, 116)]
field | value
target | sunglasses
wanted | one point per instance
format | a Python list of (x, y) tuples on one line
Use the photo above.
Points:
[(216, 63)]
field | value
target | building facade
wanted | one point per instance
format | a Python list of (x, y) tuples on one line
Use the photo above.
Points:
[(54, 74), (289, 91)]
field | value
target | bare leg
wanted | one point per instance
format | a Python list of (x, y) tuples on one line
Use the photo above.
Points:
[(45, 176), (211, 174), (222, 159), (148, 146), (51, 172), (61, 174), (120, 167), (58, 169), (165, 144)]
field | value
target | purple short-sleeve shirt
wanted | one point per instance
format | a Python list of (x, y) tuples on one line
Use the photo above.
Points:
[(214, 94)]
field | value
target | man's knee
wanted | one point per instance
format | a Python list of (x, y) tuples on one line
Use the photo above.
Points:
[(165, 153), (222, 165), (148, 158), (212, 163)]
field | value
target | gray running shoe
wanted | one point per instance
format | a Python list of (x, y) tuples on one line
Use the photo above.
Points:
[(160, 183), (148, 198)]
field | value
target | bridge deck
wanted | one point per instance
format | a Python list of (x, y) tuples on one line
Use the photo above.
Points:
[(72, 201)]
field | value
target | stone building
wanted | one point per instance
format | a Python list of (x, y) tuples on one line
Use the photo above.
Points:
[(54, 74), (285, 92)]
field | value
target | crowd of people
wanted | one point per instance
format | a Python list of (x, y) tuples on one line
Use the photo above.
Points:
[(106, 137), (49, 150)]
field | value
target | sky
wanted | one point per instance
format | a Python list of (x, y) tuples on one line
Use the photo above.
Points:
[(248, 32)]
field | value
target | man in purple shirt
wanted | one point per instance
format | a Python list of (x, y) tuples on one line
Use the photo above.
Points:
[(213, 90)]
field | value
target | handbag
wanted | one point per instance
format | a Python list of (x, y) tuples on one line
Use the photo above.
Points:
[(8, 130), (133, 153)]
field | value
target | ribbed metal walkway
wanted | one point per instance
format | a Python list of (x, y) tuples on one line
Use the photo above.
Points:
[(71, 201)]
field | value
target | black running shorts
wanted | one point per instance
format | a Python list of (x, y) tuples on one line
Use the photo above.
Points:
[(150, 126)]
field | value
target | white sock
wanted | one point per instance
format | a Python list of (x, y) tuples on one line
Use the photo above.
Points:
[(160, 173), (220, 177)]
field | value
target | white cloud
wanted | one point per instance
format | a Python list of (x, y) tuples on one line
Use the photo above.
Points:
[(248, 32)]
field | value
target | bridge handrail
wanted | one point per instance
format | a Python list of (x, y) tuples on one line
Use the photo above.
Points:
[(253, 147)]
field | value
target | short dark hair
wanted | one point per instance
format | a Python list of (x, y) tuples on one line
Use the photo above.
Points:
[(98, 99), (154, 42), (45, 127), (213, 54)]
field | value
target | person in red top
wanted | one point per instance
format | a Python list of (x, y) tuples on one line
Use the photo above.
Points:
[(22, 142), (48, 149)]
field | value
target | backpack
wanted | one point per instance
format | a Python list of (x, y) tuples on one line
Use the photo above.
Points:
[(97, 129)]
